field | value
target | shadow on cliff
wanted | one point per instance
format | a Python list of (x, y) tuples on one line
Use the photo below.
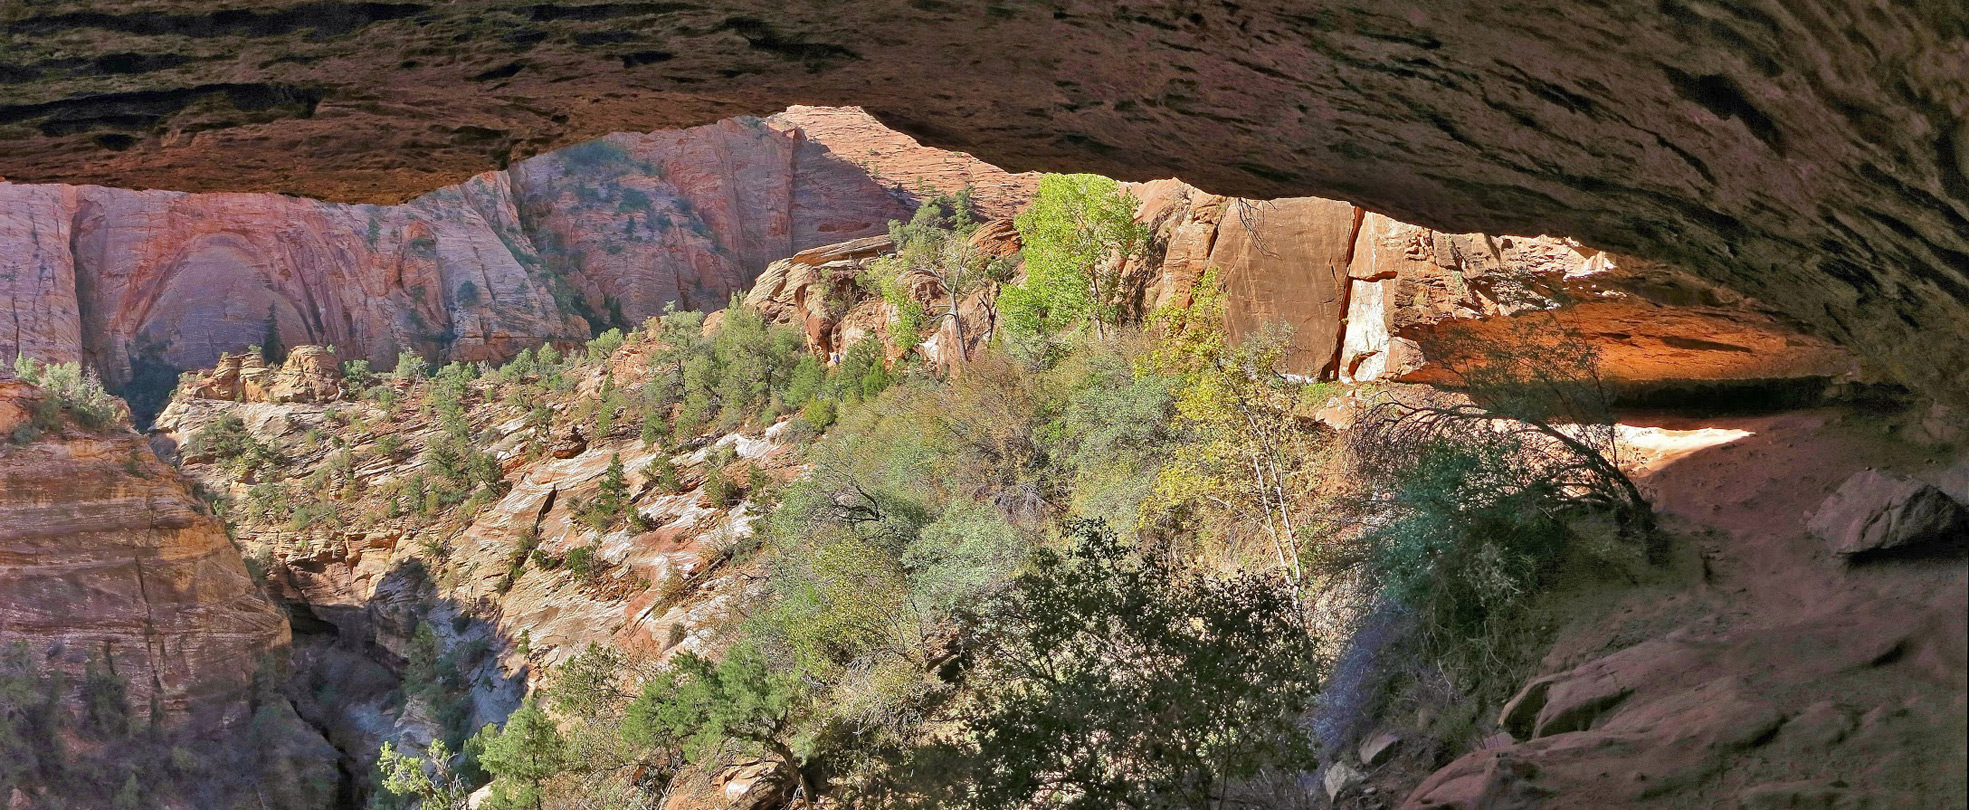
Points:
[(408, 666)]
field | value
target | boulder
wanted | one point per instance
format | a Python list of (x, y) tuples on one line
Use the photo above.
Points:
[(311, 374), (1376, 749), (17, 402), (1339, 777), (569, 445), (1875, 511)]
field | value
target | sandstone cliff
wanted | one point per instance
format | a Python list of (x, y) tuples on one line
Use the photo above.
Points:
[(143, 284), (1365, 297), (110, 564)]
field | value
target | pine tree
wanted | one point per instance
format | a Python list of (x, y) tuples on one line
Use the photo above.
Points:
[(522, 757), (611, 499), (270, 346)]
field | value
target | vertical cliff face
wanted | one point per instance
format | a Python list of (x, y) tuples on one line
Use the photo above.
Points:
[(107, 559), (143, 284), (1368, 297)]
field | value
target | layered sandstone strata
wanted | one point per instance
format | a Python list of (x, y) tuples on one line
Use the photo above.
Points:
[(142, 284), (108, 560), (1367, 297)]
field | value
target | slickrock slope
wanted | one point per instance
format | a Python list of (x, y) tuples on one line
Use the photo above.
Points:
[(1809, 154), (488, 580), (1761, 670), (143, 284)]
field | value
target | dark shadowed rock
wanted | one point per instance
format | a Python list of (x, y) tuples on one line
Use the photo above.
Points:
[(1876, 511)]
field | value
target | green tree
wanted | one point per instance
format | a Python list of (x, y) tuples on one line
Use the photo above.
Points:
[(701, 705), (1117, 679), (522, 757), (611, 501), (410, 367), (430, 780), (936, 242), (131, 797), (271, 348), (1075, 234), (1246, 456)]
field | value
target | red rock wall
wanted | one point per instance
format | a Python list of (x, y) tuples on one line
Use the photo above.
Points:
[(150, 282), (106, 556)]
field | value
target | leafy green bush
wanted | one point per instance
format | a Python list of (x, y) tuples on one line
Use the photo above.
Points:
[(66, 391), (1074, 235), (1118, 679), (701, 706)]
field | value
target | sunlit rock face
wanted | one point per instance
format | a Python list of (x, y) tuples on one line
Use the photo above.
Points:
[(1810, 154), (1367, 297), (141, 284), (108, 560)]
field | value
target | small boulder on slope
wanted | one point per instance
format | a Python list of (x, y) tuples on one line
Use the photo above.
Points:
[(1876, 511)]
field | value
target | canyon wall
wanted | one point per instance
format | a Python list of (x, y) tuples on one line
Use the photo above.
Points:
[(107, 558), (143, 284), (125, 606), (1810, 153)]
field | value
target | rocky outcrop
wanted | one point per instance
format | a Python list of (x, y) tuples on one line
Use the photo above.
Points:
[(106, 556), (1368, 298), (1754, 675), (1875, 511), (310, 374), (143, 284), (1808, 154), (820, 292)]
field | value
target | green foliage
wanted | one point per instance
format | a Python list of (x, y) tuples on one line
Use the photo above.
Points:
[(584, 562), (1117, 679), (740, 374), (431, 781), (935, 243), (271, 347), (610, 505), (587, 684), (604, 344), (410, 367), (701, 706), (67, 392), (662, 474), (227, 439), (1074, 234), (522, 757), (356, 376), (1246, 471)]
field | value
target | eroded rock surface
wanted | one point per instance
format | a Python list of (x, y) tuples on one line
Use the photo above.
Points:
[(1809, 154), (309, 374), (106, 555), (142, 284)]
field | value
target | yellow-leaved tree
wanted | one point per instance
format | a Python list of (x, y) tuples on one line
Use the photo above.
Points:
[(1247, 469)]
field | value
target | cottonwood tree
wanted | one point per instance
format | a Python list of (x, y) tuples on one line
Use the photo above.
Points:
[(1075, 236), (1246, 451)]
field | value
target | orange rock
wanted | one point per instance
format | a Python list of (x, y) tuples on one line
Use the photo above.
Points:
[(109, 555)]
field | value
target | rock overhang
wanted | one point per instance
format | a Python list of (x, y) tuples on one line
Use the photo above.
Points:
[(1812, 154)]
